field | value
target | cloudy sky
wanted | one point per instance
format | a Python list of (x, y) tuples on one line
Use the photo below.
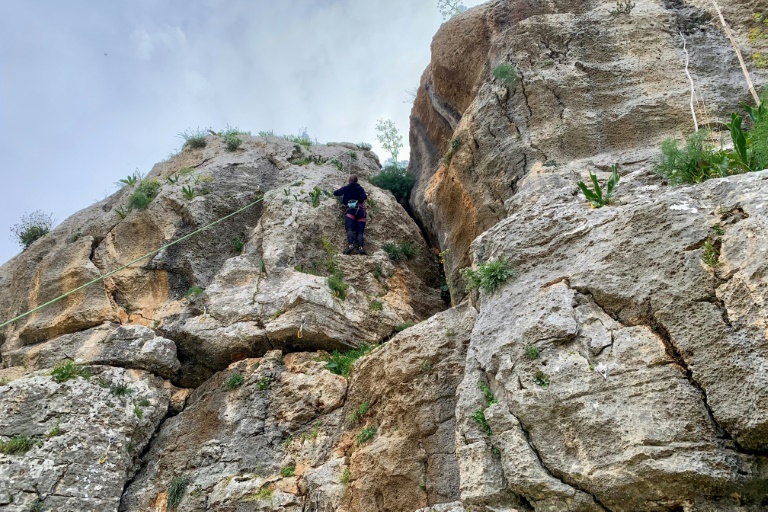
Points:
[(92, 90)]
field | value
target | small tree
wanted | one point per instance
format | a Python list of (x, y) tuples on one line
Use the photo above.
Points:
[(450, 8), (31, 227), (389, 137)]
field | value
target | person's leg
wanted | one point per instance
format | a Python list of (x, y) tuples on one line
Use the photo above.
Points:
[(360, 237), (350, 225)]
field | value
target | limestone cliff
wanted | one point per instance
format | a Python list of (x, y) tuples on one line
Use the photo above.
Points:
[(623, 368)]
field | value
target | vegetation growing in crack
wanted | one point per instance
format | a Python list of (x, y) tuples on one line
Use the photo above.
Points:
[(17, 445), (531, 352), (505, 73), (145, 192), (341, 363), (452, 148), (397, 252), (541, 379), (488, 276), (395, 179), (235, 381), (176, 490), (366, 435), (357, 414), (597, 197), (32, 227), (288, 471), (479, 414), (67, 370)]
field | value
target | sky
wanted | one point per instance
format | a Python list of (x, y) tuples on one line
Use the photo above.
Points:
[(90, 90)]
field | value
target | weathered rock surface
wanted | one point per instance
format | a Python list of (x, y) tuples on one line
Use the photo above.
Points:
[(587, 83), (87, 435), (272, 293)]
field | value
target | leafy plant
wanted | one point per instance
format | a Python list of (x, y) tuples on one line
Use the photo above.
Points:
[(263, 383), (364, 146), (17, 445), (487, 393), (376, 305), (389, 137), (176, 490), (488, 276), (194, 139), (505, 73), (32, 227), (232, 142), (531, 352), (366, 435), (194, 292), (596, 197), (341, 363), (188, 191), (120, 389), (55, 431), (358, 413), (404, 326), (346, 476), (337, 285), (541, 379), (145, 192), (288, 471), (337, 164), (711, 254), (235, 381), (452, 148), (314, 196), (144, 403), (121, 213), (408, 249), (173, 179), (396, 180), (67, 370), (237, 243), (479, 417), (694, 163), (138, 411), (131, 179)]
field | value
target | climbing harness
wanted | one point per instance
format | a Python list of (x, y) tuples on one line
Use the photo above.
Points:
[(108, 274)]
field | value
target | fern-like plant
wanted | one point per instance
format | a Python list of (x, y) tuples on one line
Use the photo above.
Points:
[(598, 197)]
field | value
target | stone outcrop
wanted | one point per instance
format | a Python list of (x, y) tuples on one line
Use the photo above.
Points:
[(586, 83), (622, 368)]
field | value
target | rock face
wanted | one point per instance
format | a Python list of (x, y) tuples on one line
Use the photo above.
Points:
[(622, 368), (586, 83), (254, 282)]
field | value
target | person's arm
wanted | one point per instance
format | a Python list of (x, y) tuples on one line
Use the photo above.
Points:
[(341, 191), (365, 196)]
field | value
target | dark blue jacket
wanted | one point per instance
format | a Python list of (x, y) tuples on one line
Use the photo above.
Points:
[(351, 192)]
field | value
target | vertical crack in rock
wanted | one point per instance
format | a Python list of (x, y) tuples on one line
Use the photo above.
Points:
[(554, 474)]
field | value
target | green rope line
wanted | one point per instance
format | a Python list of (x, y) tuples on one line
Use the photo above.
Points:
[(104, 276)]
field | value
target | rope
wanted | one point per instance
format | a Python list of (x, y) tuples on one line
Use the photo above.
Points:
[(104, 276)]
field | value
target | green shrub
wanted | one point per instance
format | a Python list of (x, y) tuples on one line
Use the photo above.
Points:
[(397, 252), (364, 146), (596, 197), (263, 383), (396, 180), (623, 7), (194, 292), (176, 490), (145, 192), (337, 285), (235, 381), (694, 163), (366, 435), (268, 133), (138, 411), (337, 164), (237, 243), (314, 196), (404, 326), (542, 379), (488, 276), (32, 227), (346, 476), (531, 352), (711, 254), (479, 417), (288, 471), (487, 393), (759, 133), (120, 389), (358, 413), (376, 305), (194, 138), (67, 370), (341, 363), (17, 445), (301, 138), (144, 403), (232, 142), (505, 73)]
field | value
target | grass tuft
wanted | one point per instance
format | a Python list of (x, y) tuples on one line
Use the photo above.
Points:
[(235, 381), (341, 363), (366, 435), (194, 139), (288, 471), (358, 413), (176, 490), (488, 276), (67, 370), (17, 445)]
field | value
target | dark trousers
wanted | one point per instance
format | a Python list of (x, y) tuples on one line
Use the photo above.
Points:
[(355, 230)]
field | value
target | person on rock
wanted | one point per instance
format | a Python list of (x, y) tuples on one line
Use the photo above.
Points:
[(353, 196)]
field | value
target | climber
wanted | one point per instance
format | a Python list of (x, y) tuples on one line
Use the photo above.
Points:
[(353, 196)]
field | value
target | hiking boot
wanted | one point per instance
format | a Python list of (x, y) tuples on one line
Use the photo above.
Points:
[(360, 250), (350, 250)]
